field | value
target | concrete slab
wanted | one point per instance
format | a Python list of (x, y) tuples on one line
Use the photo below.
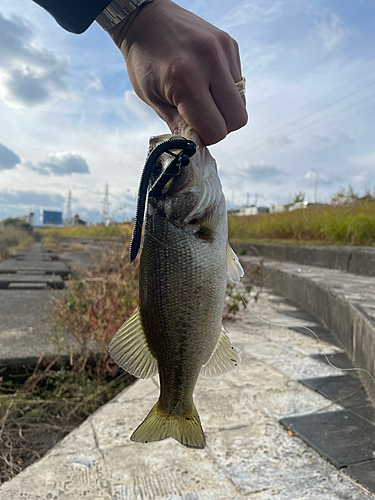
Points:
[(11, 266), (363, 473), (347, 258), (28, 286), (54, 281), (344, 438), (344, 302), (36, 256), (27, 324), (248, 453), (345, 390)]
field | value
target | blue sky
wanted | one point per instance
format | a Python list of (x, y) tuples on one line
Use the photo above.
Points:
[(70, 120)]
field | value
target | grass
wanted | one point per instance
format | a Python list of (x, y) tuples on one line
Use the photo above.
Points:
[(12, 240), (118, 231), (350, 224)]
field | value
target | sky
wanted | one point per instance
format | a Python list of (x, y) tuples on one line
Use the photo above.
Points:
[(69, 119)]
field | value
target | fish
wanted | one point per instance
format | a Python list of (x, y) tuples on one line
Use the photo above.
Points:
[(176, 331)]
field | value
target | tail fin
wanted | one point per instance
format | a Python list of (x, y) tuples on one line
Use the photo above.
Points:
[(156, 426)]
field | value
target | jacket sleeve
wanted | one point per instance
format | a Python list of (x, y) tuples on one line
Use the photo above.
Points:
[(74, 15)]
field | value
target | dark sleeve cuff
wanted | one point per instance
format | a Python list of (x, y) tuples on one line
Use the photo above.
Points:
[(74, 15)]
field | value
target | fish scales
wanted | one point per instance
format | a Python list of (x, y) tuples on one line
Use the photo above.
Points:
[(182, 291)]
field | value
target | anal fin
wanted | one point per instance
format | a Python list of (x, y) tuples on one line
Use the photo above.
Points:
[(223, 359), (129, 348)]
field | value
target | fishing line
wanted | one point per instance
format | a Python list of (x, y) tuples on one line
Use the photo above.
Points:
[(315, 335), (246, 306)]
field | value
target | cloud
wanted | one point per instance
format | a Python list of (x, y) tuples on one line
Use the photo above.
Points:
[(26, 199), (331, 34), (61, 164), (260, 172), (320, 143), (279, 141), (137, 106), (364, 161), (256, 11), (95, 84), (29, 75), (8, 159)]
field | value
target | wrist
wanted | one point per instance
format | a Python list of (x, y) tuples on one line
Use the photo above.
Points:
[(124, 32)]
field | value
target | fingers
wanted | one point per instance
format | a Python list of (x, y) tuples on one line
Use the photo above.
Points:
[(229, 102), (212, 115), (200, 112)]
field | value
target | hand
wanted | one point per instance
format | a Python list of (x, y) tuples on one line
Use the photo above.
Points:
[(184, 68)]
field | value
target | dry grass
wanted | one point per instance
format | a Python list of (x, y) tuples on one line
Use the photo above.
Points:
[(12, 240), (350, 224), (99, 299), (38, 408), (119, 231)]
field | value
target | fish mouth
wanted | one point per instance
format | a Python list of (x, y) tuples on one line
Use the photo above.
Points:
[(187, 149)]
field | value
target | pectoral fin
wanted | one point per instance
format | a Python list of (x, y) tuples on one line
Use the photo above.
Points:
[(224, 358), (235, 271), (129, 348)]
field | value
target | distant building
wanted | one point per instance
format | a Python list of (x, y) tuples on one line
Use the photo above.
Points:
[(74, 221), (244, 211), (276, 208), (47, 218), (298, 205), (27, 218)]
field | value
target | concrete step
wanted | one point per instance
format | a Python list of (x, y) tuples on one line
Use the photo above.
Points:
[(346, 258), (344, 302), (36, 256), (11, 266), (54, 281)]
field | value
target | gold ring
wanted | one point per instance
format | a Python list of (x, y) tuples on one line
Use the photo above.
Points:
[(241, 86)]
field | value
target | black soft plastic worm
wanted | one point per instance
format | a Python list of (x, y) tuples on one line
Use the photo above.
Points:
[(188, 149)]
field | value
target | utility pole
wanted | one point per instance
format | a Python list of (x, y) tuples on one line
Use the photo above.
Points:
[(106, 204), (247, 199), (69, 209), (316, 186)]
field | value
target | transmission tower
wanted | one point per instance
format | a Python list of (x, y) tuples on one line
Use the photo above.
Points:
[(106, 204), (69, 209)]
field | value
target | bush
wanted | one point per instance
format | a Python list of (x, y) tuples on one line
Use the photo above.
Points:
[(13, 239), (97, 301)]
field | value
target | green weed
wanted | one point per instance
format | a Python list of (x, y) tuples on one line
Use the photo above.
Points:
[(347, 224)]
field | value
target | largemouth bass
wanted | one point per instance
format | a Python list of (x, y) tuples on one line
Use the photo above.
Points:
[(185, 262)]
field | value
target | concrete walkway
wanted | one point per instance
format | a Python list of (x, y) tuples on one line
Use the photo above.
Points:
[(345, 302), (249, 454), (27, 286)]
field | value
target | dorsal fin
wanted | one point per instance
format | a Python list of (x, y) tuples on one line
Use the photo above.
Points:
[(129, 348), (235, 271), (223, 359)]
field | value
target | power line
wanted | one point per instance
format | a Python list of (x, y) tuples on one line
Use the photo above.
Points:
[(247, 150), (308, 115)]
